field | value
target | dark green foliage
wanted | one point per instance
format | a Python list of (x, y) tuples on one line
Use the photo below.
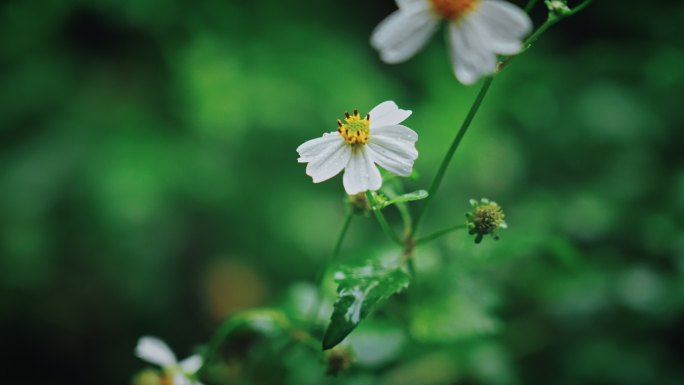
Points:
[(149, 185)]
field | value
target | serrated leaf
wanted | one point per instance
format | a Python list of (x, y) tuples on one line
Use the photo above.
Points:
[(360, 289), (408, 197)]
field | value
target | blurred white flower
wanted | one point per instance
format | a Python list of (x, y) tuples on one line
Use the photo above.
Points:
[(360, 143), (478, 31), (157, 352)]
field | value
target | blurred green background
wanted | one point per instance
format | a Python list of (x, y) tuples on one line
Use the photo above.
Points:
[(149, 185)]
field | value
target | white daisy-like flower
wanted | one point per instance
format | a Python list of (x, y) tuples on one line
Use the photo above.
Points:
[(155, 351), (478, 31), (358, 145)]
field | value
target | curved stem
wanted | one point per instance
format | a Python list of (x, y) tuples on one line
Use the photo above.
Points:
[(437, 181), (381, 219), (551, 20), (216, 341), (438, 234)]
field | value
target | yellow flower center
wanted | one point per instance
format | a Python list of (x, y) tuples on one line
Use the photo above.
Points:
[(453, 10), (355, 129)]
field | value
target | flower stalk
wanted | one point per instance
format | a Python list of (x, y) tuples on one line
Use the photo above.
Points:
[(437, 181)]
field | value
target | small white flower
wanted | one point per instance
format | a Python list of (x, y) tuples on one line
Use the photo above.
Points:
[(155, 351), (360, 143), (478, 31)]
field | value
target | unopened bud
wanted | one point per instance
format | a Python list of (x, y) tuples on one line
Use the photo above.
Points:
[(338, 360), (557, 7), (359, 203)]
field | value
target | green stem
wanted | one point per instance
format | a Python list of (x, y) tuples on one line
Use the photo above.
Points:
[(381, 219), (316, 307), (403, 209), (438, 234), (340, 238), (437, 181), (216, 341), (550, 21), (578, 8)]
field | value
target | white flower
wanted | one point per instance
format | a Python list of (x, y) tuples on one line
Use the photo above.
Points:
[(358, 145), (478, 31), (155, 351)]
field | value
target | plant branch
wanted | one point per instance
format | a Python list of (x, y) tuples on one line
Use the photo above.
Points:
[(440, 233), (437, 181)]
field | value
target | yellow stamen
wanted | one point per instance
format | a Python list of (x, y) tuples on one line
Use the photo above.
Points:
[(453, 10), (355, 129)]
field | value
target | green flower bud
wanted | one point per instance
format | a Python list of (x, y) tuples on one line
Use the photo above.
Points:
[(359, 203), (557, 8), (485, 218)]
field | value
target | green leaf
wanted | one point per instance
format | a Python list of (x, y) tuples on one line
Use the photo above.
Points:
[(360, 289), (408, 197)]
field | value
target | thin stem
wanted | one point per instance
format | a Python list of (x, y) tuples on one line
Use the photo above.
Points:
[(551, 20), (216, 340), (405, 215), (381, 219), (340, 238), (403, 209), (578, 8), (437, 181), (316, 306), (530, 5), (440, 233), (533, 38)]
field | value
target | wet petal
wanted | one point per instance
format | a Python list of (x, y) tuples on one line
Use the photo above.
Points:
[(330, 161), (396, 131), (390, 160), (387, 113), (361, 174), (314, 147)]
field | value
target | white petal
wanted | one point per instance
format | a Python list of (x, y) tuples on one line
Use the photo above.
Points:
[(395, 131), (386, 114), (330, 161), (312, 148), (471, 57), (394, 148), (404, 32), (191, 364), (502, 26), (508, 16), (154, 350), (361, 174), (390, 160), (181, 379)]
